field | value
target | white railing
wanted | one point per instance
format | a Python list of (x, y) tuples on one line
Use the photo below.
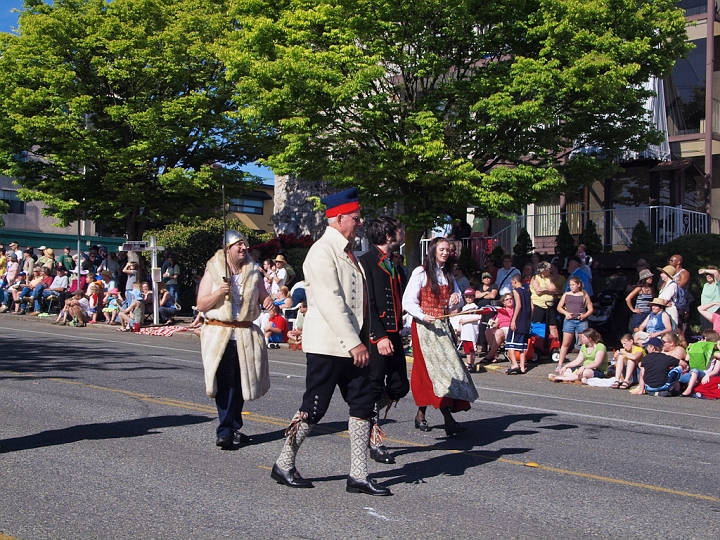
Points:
[(666, 223)]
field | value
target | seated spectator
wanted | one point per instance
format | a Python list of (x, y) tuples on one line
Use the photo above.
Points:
[(48, 261), (113, 301), (59, 285), (467, 327), (710, 294), (297, 293), (22, 297), (591, 361), (36, 294), (295, 335), (701, 361), (107, 281), (276, 328), (656, 324), (626, 360), (94, 297), (659, 372), (166, 304), (498, 327), (134, 312), (674, 344), (78, 310), (282, 298), (10, 290), (642, 295)]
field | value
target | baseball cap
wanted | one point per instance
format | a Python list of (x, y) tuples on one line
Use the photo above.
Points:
[(486, 274), (655, 342), (469, 292)]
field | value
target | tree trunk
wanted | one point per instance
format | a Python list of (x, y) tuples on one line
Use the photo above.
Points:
[(412, 250)]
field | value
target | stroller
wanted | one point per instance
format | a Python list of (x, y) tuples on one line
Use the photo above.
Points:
[(602, 318)]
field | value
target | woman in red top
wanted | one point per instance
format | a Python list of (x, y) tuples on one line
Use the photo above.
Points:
[(497, 333), (439, 377)]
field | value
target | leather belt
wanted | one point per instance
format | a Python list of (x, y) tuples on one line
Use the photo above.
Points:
[(229, 324)]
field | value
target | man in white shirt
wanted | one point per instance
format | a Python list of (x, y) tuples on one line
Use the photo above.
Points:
[(504, 276), (279, 276)]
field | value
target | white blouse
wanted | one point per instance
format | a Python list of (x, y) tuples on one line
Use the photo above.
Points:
[(418, 279)]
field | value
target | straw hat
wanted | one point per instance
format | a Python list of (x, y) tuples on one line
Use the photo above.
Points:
[(669, 270), (279, 258), (658, 302)]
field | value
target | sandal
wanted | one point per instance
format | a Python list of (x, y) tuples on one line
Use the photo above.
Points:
[(617, 384), (624, 385), (513, 371), (488, 360), (470, 367)]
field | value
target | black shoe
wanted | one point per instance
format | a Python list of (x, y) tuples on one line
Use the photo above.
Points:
[(224, 442), (422, 425), (454, 429), (240, 438), (381, 455), (366, 486), (290, 478)]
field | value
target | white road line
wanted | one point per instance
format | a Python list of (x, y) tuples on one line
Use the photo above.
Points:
[(595, 417), (604, 403)]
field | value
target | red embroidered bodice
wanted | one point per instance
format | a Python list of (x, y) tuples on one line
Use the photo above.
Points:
[(434, 305)]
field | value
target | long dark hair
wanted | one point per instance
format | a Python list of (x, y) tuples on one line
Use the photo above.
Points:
[(431, 266)]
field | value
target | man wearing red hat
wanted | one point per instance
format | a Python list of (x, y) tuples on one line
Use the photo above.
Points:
[(335, 342)]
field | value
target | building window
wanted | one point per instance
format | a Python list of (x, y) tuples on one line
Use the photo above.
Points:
[(11, 198), (246, 206)]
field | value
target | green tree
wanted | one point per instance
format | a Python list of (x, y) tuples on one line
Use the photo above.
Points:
[(564, 241), (431, 105), (524, 246), (590, 237), (114, 111), (642, 240), (4, 209)]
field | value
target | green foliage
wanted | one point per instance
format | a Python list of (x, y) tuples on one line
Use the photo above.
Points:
[(437, 104), (642, 240), (4, 209), (497, 254), (118, 109), (296, 259), (524, 246), (564, 241), (196, 242), (590, 237)]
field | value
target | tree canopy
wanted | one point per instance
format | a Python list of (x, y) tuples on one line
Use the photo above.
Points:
[(114, 111), (437, 104)]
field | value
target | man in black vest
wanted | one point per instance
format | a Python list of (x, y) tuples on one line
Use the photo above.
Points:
[(388, 371)]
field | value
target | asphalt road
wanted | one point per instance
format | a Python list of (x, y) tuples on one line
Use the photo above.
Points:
[(110, 435)]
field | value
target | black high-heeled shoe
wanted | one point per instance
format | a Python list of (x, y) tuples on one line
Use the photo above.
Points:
[(422, 425), (454, 429)]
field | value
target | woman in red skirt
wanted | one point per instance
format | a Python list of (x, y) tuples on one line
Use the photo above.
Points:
[(439, 377)]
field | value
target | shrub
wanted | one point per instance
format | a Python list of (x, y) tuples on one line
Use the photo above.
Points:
[(524, 246), (591, 238), (642, 240), (194, 244), (564, 241)]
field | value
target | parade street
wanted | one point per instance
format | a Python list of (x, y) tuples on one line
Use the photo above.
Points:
[(110, 435)]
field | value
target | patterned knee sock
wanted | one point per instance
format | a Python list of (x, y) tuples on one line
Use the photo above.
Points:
[(359, 439), (295, 434)]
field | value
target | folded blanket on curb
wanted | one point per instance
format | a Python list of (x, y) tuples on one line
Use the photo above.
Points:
[(165, 331)]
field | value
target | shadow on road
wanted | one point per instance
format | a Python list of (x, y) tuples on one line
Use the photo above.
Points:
[(29, 356), (138, 427)]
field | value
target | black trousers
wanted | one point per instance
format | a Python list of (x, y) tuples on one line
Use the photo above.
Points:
[(324, 373), (388, 374), (229, 399)]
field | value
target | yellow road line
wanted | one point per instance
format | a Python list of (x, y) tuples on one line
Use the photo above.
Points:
[(6, 537), (261, 419)]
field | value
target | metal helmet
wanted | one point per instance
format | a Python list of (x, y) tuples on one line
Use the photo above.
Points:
[(233, 237)]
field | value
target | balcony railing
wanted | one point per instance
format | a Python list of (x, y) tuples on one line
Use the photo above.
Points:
[(666, 223)]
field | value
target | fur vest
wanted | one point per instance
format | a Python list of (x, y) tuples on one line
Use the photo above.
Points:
[(250, 342)]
